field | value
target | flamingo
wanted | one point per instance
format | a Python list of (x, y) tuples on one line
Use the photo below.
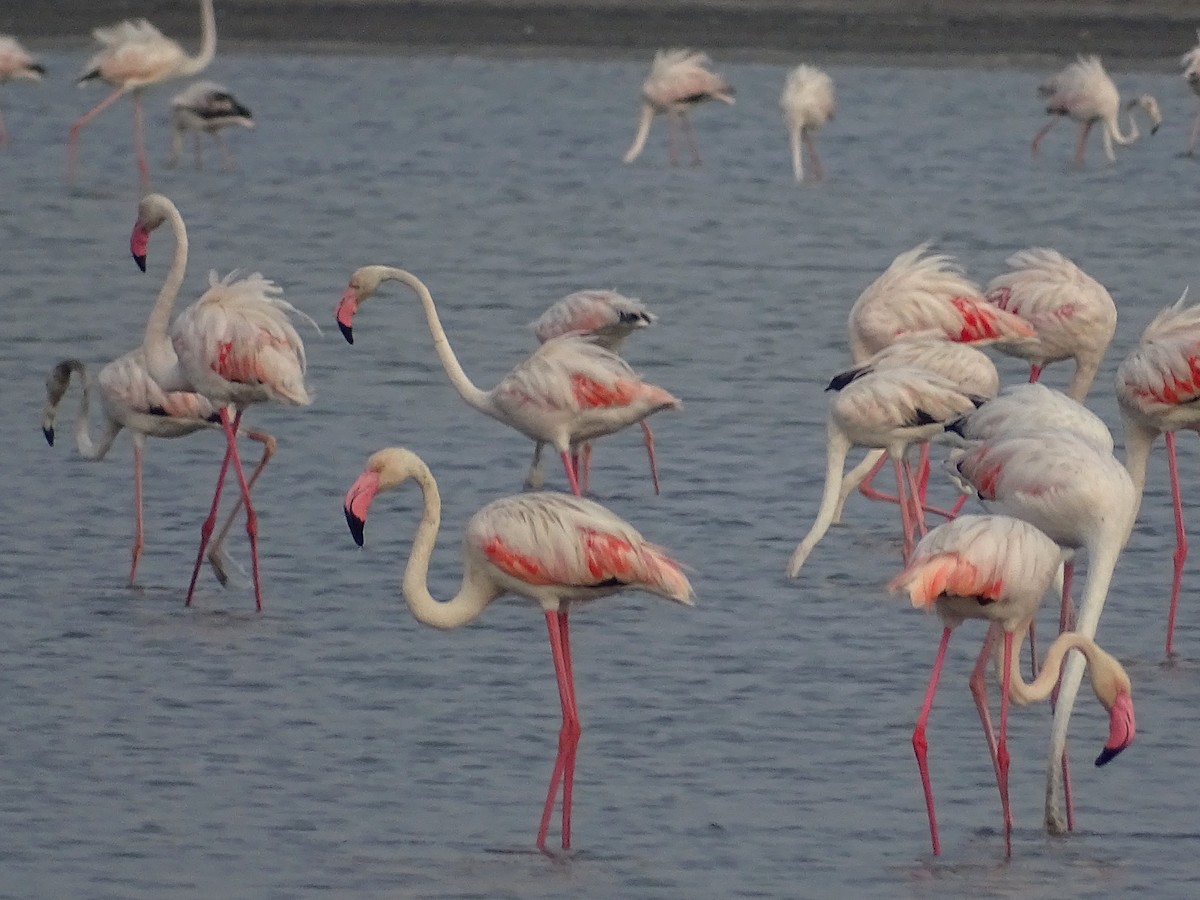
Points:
[(205, 108), (678, 81), (1084, 92), (1191, 72), (235, 345), (609, 318), (1031, 407), (135, 56), (568, 392), (998, 568), (132, 399), (807, 103), (1082, 498), (1074, 317), (16, 65), (890, 409), (1158, 386), (554, 549)]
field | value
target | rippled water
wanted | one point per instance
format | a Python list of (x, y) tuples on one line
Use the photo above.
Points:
[(755, 746)]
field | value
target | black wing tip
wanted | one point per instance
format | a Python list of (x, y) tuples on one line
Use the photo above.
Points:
[(49, 433), (1107, 755), (842, 379), (356, 527), (347, 332)]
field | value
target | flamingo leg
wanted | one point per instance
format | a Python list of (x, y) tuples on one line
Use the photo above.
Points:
[(818, 172), (648, 435), (914, 497), (573, 745), (534, 481), (568, 736), (1065, 623), (1081, 145), (566, 458), (1035, 372), (1037, 138), (921, 745), (139, 142), (673, 156), (216, 558), (906, 521), (1002, 758), (206, 527), (1181, 545), (138, 442), (585, 470), (690, 134), (868, 491), (923, 472), (978, 685), (73, 135)]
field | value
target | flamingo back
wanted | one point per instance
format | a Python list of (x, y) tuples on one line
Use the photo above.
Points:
[(808, 98), (134, 52), (127, 386), (893, 404), (962, 364), (1083, 91), (609, 316), (1033, 407), (1160, 379), (681, 76)]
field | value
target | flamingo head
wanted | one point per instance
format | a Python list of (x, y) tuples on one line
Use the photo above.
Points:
[(1150, 105), (1113, 690), (152, 212), (363, 283), (385, 470)]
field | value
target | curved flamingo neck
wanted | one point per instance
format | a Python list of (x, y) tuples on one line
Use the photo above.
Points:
[(1113, 127), (479, 399), (837, 447), (161, 360), (473, 595), (1043, 686), (1138, 441), (208, 42), (60, 381), (643, 131)]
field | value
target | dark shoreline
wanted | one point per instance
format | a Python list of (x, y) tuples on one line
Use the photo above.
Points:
[(1009, 32)]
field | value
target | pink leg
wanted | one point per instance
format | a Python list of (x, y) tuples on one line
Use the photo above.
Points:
[(1181, 545), (139, 142), (921, 746), (585, 471), (649, 438), (1035, 372), (674, 157), (1002, 759), (906, 522), (818, 173), (866, 489), (923, 471), (566, 458), (978, 684), (568, 736), (1081, 146), (137, 507), (73, 136), (208, 524), (914, 498), (1037, 138), (573, 744), (691, 138)]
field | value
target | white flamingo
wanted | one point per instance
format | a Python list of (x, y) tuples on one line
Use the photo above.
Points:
[(1191, 73), (807, 103), (1073, 315), (554, 549), (998, 568), (16, 65), (235, 346), (679, 80), (568, 392), (205, 108), (1084, 92), (136, 56), (1032, 407), (131, 399)]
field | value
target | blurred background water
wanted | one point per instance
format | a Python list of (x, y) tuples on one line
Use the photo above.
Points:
[(755, 746)]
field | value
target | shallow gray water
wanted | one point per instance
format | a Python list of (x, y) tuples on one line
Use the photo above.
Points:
[(755, 746)]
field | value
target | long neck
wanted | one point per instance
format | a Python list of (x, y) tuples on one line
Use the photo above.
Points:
[(1113, 126), (473, 595), (1138, 441), (1085, 373), (835, 462), (161, 360), (466, 388), (1043, 686), (82, 431), (797, 161), (208, 41), (639, 140)]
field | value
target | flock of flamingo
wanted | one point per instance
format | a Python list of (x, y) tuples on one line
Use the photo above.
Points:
[(916, 377)]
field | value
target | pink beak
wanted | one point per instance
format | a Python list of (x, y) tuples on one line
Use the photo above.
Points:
[(1121, 728), (138, 242), (346, 309), (358, 501)]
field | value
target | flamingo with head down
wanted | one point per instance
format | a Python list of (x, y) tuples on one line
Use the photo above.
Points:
[(679, 80), (16, 65)]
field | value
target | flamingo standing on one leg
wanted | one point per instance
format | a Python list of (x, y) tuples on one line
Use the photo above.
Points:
[(1158, 386), (608, 318), (205, 108), (998, 568), (132, 399), (1073, 315), (891, 409), (1082, 498), (235, 346), (555, 549), (1191, 73), (16, 65), (807, 103), (136, 55), (568, 392), (678, 81), (1084, 92)]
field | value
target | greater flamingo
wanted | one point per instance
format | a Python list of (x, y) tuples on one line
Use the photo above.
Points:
[(1031, 407), (609, 318), (1082, 498), (891, 409), (132, 399), (205, 108), (1158, 386), (998, 568), (1191, 73), (235, 346), (568, 392), (1084, 92), (678, 81), (1073, 315), (554, 549), (136, 56), (16, 65), (807, 103)]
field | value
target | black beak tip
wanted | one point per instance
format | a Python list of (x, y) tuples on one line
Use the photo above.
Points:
[(356, 527), (347, 332), (1107, 755), (140, 260), (49, 433), (1154, 130)]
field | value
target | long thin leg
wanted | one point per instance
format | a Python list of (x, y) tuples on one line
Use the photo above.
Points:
[(906, 522), (568, 735), (138, 442), (673, 156), (571, 477), (1081, 145), (868, 491), (534, 480), (1066, 618), (73, 135), (216, 557), (139, 142), (978, 684), (1181, 544), (573, 743), (690, 134), (1035, 372), (1037, 138), (921, 746), (206, 527), (584, 465), (648, 435), (1002, 759), (818, 171)]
